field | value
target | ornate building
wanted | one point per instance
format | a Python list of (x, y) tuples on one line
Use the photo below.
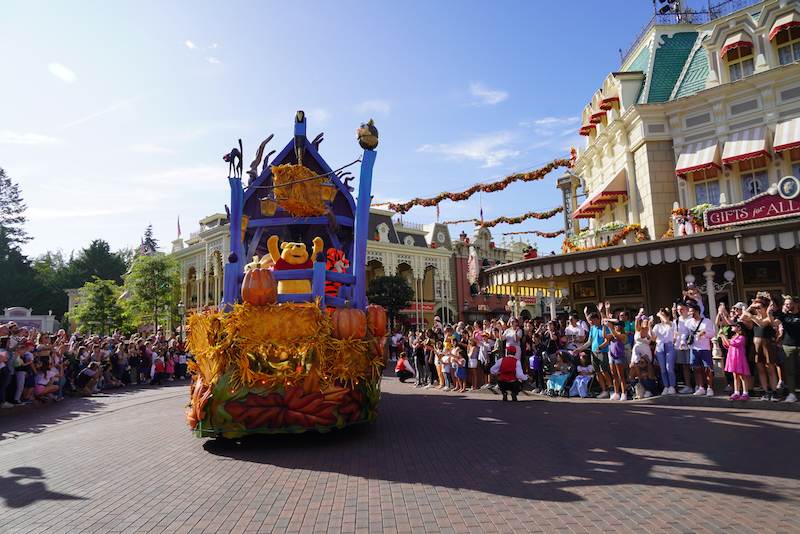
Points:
[(200, 261), (691, 167)]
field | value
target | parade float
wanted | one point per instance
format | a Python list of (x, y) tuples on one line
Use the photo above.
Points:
[(296, 346)]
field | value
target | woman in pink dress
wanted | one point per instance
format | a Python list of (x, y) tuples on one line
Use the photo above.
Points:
[(737, 361)]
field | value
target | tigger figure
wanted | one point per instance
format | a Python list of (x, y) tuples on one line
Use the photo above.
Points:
[(335, 262)]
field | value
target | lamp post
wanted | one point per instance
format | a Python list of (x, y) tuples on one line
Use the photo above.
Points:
[(109, 322), (711, 288), (181, 310), (552, 300)]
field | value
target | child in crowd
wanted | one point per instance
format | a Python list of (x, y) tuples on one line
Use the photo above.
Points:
[(461, 371), (642, 377), (472, 362), (580, 387), (737, 361), (438, 350), (559, 375), (535, 365), (446, 366)]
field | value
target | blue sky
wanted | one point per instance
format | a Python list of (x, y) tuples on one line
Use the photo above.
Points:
[(116, 115)]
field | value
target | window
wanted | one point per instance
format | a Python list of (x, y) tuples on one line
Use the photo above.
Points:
[(788, 42), (740, 62), (753, 173), (706, 186)]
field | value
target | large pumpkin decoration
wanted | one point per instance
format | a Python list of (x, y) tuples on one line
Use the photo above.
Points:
[(376, 320), (259, 286), (348, 323)]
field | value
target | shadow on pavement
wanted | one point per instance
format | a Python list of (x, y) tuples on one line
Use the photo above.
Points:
[(18, 493), (537, 449)]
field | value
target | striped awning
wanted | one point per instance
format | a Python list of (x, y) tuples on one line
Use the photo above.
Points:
[(607, 103), (787, 135), (587, 129), (608, 193), (784, 22), (744, 145), (698, 157), (735, 41), (596, 118)]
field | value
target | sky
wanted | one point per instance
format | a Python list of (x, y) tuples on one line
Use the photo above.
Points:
[(115, 115)]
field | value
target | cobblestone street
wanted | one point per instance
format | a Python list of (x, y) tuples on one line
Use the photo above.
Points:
[(434, 462)]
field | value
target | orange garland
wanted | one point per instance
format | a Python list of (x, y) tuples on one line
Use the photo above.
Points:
[(641, 235)]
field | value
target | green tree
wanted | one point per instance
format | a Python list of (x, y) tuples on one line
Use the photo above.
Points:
[(391, 292), (97, 260), (150, 242), (97, 308), (12, 218), (18, 284), (153, 287)]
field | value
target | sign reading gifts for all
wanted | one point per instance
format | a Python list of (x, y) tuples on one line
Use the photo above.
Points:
[(776, 203)]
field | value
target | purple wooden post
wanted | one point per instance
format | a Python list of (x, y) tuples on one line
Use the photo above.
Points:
[(234, 270)]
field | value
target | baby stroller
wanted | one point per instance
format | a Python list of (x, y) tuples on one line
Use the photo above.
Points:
[(558, 384)]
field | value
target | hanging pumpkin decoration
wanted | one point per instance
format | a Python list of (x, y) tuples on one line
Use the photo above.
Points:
[(376, 320), (259, 287), (348, 323)]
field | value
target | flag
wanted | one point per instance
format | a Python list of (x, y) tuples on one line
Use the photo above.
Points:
[(437, 213), (141, 248), (480, 199), (179, 226)]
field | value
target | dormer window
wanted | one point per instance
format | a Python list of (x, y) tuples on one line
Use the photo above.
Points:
[(740, 62), (788, 43)]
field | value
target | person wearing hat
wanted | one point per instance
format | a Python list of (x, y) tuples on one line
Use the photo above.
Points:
[(701, 360), (509, 374)]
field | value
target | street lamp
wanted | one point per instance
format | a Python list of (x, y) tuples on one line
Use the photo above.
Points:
[(181, 310), (109, 322), (711, 288)]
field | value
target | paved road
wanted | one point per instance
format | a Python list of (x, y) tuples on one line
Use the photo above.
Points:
[(434, 462)]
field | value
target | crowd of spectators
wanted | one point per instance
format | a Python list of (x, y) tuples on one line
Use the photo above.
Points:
[(609, 352), (44, 367)]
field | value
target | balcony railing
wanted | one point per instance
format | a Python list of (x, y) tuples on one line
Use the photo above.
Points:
[(689, 16), (409, 225)]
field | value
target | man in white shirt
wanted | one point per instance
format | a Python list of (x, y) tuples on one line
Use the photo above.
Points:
[(575, 332), (512, 335), (701, 360), (683, 352)]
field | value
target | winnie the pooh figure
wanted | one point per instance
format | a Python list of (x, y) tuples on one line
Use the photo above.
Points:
[(293, 256)]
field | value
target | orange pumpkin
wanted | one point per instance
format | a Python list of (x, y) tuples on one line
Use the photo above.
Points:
[(376, 320), (348, 323), (259, 287)]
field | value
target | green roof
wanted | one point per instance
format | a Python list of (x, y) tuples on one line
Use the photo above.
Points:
[(756, 15), (696, 74), (642, 60), (668, 64)]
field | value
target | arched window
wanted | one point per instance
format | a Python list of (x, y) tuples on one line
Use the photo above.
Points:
[(753, 173)]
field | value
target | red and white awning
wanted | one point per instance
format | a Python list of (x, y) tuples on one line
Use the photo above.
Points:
[(748, 144), (735, 41), (608, 103), (596, 118), (609, 193), (784, 22), (587, 129), (787, 135), (698, 157)]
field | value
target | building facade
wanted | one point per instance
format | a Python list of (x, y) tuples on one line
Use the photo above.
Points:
[(686, 146)]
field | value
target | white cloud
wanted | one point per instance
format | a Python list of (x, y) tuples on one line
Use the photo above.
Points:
[(8, 137), (317, 116), (212, 60), (487, 97), (191, 45), (62, 72), (375, 106), (151, 149), (553, 121), (491, 149), (215, 45), (112, 108)]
